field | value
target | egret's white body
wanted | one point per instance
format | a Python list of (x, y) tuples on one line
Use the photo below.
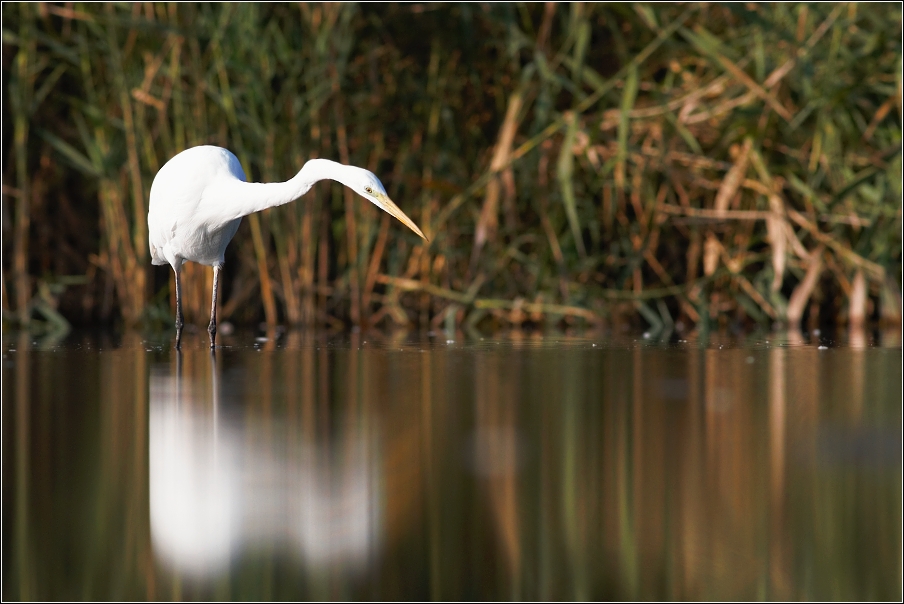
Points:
[(199, 196)]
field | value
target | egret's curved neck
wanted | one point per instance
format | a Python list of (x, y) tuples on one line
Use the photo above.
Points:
[(237, 198)]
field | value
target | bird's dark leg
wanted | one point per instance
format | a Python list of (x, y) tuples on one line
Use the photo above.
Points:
[(178, 310), (212, 328)]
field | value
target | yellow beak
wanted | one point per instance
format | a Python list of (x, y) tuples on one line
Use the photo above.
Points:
[(390, 206)]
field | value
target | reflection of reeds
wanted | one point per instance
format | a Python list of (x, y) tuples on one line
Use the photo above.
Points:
[(496, 457), (728, 161), (607, 474), (22, 576)]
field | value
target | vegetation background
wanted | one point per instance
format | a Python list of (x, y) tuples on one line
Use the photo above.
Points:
[(570, 163)]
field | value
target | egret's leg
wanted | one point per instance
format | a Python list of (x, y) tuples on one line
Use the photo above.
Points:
[(178, 309), (212, 328)]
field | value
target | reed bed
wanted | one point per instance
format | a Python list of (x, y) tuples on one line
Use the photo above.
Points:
[(571, 164)]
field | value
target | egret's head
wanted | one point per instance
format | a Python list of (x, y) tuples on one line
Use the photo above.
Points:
[(368, 186)]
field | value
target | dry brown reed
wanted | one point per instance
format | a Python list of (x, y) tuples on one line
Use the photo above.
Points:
[(689, 164)]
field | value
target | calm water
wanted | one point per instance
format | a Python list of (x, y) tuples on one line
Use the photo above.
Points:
[(395, 467)]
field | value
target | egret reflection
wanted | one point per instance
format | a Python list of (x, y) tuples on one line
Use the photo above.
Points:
[(225, 482)]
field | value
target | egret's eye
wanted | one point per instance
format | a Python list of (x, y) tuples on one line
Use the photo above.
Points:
[(369, 190)]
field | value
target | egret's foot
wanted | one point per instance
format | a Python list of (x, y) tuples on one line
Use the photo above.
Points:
[(212, 330)]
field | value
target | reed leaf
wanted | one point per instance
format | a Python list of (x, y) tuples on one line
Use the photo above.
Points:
[(631, 116)]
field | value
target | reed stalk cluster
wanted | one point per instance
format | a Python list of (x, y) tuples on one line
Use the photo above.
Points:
[(573, 163)]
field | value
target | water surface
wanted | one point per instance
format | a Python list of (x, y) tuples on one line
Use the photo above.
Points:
[(384, 467)]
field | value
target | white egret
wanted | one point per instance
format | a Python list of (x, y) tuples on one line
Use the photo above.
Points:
[(198, 199)]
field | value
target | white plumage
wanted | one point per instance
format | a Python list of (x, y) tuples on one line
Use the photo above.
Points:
[(199, 196)]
